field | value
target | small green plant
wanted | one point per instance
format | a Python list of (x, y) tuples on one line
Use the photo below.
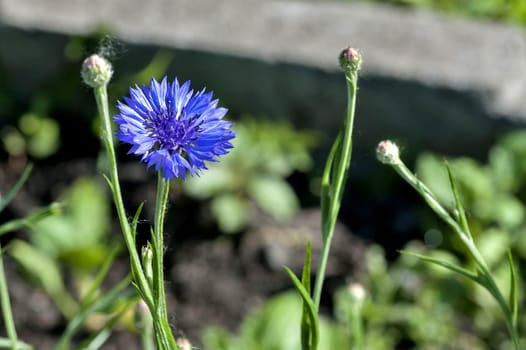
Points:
[(478, 270)]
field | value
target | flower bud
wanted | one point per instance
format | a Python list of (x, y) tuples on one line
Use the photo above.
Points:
[(350, 60), (184, 344), (96, 71), (147, 261), (387, 153), (357, 292)]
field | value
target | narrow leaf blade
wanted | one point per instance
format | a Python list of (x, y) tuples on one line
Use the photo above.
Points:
[(326, 184), (306, 324), (445, 264), (4, 201), (458, 203), (136, 220), (513, 289), (311, 309)]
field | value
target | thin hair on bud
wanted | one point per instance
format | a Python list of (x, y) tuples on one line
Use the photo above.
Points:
[(111, 48)]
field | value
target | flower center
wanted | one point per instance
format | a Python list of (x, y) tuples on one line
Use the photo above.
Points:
[(170, 132)]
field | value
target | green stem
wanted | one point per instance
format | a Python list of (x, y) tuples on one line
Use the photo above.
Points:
[(494, 290), (163, 332), (342, 159), (157, 303), (101, 97), (163, 188), (6, 307), (357, 324), (6, 344)]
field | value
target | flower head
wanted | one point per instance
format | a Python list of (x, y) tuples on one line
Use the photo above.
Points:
[(387, 152), (173, 128), (96, 71), (350, 60)]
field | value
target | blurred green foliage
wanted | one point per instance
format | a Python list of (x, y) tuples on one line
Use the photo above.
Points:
[(275, 326), (414, 305), (265, 153), (79, 236), (513, 11), (75, 240), (36, 135)]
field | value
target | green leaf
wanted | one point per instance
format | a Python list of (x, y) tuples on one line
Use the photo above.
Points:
[(32, 219), (78, 235), (311, 310), (101, 274), (274, 325), (44, 138), (108, 182), (327, 186), (136, 220), (114, 296), (513, 290), (97, 340), (212, 182), (275, 196), (5, 200), (445, 264), (507, 211), (461, 213), (231, 212), (493, 244), (306, 325), (44, 270)]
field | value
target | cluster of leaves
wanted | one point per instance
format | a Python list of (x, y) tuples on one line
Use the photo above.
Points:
[(265, 153), (513, 11), (275, 326)]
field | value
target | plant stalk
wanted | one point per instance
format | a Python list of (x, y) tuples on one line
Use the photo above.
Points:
[(341, 156), (485, 278), (6, 307)]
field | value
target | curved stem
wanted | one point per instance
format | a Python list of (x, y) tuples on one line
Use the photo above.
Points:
[(101, 97)]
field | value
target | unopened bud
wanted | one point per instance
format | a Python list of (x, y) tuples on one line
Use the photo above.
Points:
[(184, 344), (350, 60), (147, 262), (387, 153), (96, 71), (357, 291)]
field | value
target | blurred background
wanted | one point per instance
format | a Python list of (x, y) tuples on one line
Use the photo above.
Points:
[(443, 78)]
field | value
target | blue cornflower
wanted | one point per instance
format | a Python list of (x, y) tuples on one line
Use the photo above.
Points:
[(173, 128)]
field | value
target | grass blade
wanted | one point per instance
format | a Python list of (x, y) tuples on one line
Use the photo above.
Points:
[(461, 212), (445, 264), (4, 201), (306, 325), (513, 290), (311, 309)]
